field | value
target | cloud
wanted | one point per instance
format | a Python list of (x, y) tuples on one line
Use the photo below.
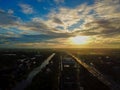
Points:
[(56, 20), (100, 21), (10, 11), (101, 18), (7, 19), (51, 43), (59, 1), (42, 28), (103, 27), (26, 40), (107, 8), (72, 16), (26, 8), (95, 22)]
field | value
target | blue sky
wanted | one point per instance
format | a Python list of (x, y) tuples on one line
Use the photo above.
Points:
[(54, 23)]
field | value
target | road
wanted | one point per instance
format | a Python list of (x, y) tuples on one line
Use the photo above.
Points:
[(110, 83), (24, 83), (69, 74), (38, 69)]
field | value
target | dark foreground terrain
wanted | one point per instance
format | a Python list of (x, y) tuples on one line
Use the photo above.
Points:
[(58, 69)]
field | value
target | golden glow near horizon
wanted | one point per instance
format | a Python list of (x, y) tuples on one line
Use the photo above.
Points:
[(79, 40)]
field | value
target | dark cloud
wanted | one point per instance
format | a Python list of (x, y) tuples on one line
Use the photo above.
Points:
[(56, 20), (45, 32), (7, 19), (27, 38), (42, 28), (106, 28), (86, 33), (32, 38)]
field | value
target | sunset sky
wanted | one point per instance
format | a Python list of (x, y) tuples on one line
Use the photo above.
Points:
[(59, 23)]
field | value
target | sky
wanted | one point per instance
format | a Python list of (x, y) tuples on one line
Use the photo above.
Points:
[(59, 23)]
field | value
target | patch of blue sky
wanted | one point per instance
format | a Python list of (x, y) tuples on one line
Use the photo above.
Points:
[(11, 30), (60, 28), (76, 25), (15, 30), (2, 30)]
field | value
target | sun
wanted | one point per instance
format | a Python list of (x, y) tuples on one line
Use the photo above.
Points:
[(78, 40)]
